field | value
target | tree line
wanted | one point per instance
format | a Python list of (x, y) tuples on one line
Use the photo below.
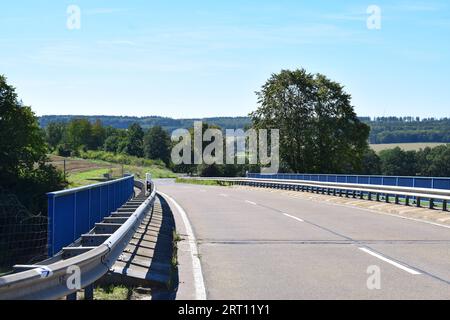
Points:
[(428, 162), (320, 133), (382, 129), (70, 139), (408, 129)]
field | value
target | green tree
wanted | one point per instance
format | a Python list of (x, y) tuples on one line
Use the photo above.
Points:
[(396, 162), (439, 161), (79, 133), (23, 153), (319, 130), (157, 144), (55, 133), (135, 137), (98, 135), (371, 163)]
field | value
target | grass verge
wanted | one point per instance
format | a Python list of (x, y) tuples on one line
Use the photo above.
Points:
[(202, 182), (112, 293)]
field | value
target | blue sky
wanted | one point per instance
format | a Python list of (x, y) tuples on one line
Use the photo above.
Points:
[(207, 58)]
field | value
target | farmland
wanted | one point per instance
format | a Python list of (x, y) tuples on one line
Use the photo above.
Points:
[(82, 172), (405, 146)]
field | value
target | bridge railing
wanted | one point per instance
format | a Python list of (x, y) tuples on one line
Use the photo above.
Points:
[(74, 212), (387, 193), (399, 181)]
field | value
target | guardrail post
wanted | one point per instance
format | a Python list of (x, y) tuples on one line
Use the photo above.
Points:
[(387, 198), (378, 197), (431, 204), (444, 205), (407, 201), (89, 292), (418, 202), (369, 196), (397, 199)]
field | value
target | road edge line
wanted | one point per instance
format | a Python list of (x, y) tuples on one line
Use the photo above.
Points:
[(200, 290)]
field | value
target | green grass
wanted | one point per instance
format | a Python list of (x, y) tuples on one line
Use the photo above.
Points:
[(405, 146), (202, 182), (112, 293), (157, 172), (84, 178), (92, 171)]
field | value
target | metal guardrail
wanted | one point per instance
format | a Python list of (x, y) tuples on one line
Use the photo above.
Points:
[(399, 181), (49, 281), (370, 192)]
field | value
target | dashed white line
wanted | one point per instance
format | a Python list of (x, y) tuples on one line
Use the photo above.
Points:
[(292, 217), (200, 290), (250, 202), (395, 264)]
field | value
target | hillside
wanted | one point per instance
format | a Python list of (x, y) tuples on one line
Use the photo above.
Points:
[(169, 124), (384, 130), (82, 172)]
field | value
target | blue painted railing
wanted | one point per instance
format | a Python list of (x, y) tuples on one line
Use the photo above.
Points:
[(74, 212), (413, 182)]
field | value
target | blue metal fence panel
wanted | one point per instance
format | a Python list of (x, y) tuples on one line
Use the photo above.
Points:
[(413, 182), (441, 183), (74, 212)]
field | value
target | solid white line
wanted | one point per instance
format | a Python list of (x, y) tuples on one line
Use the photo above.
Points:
[(251, 202), (396, 264), (298, 219), (200, 290)]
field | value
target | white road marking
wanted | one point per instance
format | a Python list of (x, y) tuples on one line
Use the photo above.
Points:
[(200, 290), (251, 202), (202, 190), (298, 219), (395, 264), (224, 195)]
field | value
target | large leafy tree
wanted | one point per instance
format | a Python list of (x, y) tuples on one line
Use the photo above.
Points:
[(157, 144), (319, 130), (79, 134), (55, 133), (398, 162), (23, 168), (135, 137)]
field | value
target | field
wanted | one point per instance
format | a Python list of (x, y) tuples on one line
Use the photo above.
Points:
[(405, 146), (82, 172)]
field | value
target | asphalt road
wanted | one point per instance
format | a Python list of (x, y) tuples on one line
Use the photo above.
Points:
[(255, 244)]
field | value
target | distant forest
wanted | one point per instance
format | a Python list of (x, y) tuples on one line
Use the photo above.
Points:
[(383, 129), (168, 124)]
